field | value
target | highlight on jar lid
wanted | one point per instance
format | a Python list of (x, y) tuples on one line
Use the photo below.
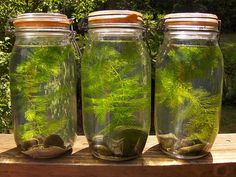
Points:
[(194, 21), (42, 20), (115, 18)]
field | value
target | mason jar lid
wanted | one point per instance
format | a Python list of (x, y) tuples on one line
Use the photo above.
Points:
[(115, 18), (42, 20), (192, 21)]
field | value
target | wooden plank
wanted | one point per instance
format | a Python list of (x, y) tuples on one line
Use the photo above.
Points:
[(220, 163)]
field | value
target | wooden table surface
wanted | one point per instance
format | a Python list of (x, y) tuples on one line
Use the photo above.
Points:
[(221, 162)]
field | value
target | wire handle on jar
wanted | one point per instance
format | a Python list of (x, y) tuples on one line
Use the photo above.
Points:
[(161, 25), (219, 29), (73, 41), (83, 24)]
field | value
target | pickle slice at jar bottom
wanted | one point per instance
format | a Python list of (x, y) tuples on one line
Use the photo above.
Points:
[(120, 142), (51, 147), (170, 143), (124, 141)]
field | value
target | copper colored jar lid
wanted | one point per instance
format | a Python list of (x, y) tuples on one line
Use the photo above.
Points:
[(115, 18), (201, 21), (42, 20)]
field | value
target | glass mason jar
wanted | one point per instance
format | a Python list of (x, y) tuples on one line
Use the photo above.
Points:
[(116, 85), (43, 90), (188, 84)]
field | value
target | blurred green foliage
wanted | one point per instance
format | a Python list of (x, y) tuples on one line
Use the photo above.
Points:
[(228, 47), (5, 113), (153, 11)]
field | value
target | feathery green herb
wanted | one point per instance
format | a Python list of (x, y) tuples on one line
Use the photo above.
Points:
[(42, 86), (115, 82), (185, 86)]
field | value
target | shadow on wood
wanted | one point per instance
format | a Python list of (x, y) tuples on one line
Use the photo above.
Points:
[(156, 155), (221, 162)]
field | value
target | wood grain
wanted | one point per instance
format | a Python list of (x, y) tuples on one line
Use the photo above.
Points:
[(221, 162)]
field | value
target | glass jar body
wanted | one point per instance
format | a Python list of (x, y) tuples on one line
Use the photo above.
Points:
[(43, 93), (188, 91), (116, 93)]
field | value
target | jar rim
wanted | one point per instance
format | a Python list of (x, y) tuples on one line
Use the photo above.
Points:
[(42, 20), (190, 15), (115, 18), (192, 21)]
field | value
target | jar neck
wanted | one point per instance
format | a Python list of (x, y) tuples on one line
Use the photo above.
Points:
[(116, 34), (192, 37), (42, 38)]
